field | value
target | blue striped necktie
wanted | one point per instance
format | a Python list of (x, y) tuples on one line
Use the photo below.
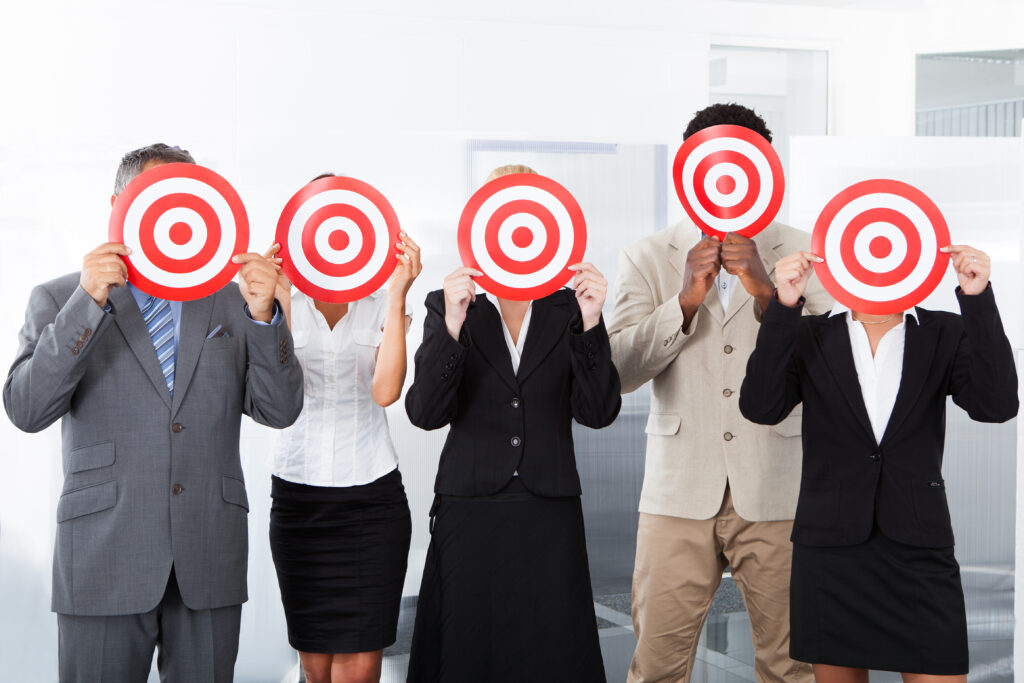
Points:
[(160, 323)]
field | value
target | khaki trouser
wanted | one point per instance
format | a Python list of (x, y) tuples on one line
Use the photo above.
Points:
[(679, 564)]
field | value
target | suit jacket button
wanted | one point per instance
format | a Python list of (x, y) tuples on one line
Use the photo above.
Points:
[(516, 403), (444, 375), (876, 456), (728, 348), (727, 392), (728, 436), (666, 343), (453, 357), (86, 332), (176, 428), (516, 441), (74, 351), (176, 489)]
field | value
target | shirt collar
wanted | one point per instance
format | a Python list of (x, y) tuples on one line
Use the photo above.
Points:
[(839, 309)]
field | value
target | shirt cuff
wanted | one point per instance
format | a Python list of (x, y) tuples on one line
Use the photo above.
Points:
[(273, 321)]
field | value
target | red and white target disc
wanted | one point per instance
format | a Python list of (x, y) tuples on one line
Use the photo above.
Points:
[(522, 231), (338, 238), (183, 223), (880, 240), (729, 179)]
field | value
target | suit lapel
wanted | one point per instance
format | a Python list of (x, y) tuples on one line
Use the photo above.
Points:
[(547, 323), (485, 333), (129, 321), (834, 340), (918, 351), (195, 321)]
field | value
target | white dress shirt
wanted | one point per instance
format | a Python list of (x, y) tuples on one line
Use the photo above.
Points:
[(515, 349), (725, 283), (879, 375), (341, 437)]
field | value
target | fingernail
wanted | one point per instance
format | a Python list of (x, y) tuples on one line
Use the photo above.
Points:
[(129, 249)]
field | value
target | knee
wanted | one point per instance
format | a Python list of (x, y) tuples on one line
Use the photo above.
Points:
[(362, 672), (317, 676)]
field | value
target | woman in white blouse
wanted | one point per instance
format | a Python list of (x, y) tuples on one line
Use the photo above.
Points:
[(340, 524)]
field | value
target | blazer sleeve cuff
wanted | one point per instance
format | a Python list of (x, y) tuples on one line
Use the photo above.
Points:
[(778, 313), (973, 304)]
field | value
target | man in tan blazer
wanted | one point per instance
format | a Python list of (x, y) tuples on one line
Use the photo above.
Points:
[(718, 490)]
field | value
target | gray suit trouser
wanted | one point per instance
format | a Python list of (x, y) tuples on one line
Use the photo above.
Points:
[(194, 646)]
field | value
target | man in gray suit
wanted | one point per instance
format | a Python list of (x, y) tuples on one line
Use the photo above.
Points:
[(152, 537)]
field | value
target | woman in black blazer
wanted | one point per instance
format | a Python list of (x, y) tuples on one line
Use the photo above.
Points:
[(506, 590), (875, 584)]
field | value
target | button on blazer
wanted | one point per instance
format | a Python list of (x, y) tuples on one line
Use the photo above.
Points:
[(502, 421), (849, 480)]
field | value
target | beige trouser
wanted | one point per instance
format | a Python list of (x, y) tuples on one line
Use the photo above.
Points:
[(679, 564)]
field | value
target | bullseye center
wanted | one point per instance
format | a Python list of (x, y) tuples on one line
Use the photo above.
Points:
[(522, 237), (338, 240), (180, 233), (726, 184), (880, 247)]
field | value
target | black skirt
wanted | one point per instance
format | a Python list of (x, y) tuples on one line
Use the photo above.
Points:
[(878, 605), (341, 555), (506, 593)]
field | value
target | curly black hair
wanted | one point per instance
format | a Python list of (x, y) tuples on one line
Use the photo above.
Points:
[(732, 113)]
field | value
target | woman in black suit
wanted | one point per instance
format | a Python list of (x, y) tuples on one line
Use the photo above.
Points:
[(506, 588), (875, 584)]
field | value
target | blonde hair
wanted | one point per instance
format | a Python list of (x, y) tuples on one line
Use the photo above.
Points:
[(509, 170)]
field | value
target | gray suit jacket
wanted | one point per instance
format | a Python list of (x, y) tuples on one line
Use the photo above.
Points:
[(148, 481)]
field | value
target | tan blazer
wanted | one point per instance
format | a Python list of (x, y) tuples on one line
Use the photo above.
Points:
[(696, 438)]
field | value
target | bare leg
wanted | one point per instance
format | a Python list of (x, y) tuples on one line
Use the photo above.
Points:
[(929, 678), (357, 667), (826, 673), (316, 666)]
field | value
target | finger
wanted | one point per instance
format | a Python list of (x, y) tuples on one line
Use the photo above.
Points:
[(409, 241), (247, 257), (274, 248), (112, 248), (954, 249)]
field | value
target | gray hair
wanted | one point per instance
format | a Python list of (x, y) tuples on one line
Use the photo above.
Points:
[(133, 162)]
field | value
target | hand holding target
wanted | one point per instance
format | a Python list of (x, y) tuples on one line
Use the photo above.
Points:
[(792, 273), (522, 231), (973, 267), (880, 240), (408, 269), (729, 179), (591, 289), (183, 223), (337, 238), (102, 268), (459, 291)]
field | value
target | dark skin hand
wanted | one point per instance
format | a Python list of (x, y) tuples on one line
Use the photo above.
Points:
[(703, 262), (740, 258)]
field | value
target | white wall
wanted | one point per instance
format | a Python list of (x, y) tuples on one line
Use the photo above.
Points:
[(272, 93)]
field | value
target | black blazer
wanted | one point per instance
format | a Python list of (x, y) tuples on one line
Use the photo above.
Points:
[(500, 421), (849, 480)]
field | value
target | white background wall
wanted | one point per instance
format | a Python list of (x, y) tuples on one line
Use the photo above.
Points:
[(271, 93)]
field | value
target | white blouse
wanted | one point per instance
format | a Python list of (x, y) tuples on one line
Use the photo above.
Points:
[(879, 375), (515, 350), (341, 438)]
